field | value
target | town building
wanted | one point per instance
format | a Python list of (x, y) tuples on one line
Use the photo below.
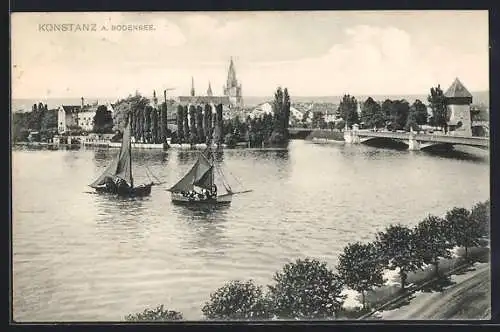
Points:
[(458, 103), (81, 117)]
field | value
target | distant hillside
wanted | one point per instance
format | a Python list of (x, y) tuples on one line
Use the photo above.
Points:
[(481, 97)]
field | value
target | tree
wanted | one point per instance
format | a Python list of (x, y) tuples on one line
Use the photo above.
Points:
[(463, 230), (286, 111), (148, 123), (360, 269), (209, 128), (281, 115), (185, 121), (480, 214), (437, 102), (420, 111), (306, 289), (340, 124), (219, 124), (431, 241), (132, 104), (103, 120), (372, 114), (192, 125), (237, 300), (19, 126), (49, 120), (34, 119), (411, 121), (155, 126), (164, 122), (180, 122), (139, 114), (318, 120), (348, 110), (206, 121), (199, 124), (277, 106), (397, 249), (156, 314), (398, 113)]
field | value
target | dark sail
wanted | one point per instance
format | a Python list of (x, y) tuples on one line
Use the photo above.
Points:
[(121, 166), (206, 181), (197, 176)]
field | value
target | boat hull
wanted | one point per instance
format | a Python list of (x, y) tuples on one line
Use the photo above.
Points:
[(139, 191), (179, 199)]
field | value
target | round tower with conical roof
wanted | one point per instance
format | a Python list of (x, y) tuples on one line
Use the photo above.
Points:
[(458, 104)]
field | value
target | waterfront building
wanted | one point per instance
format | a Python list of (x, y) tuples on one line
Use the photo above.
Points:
[(77, 116), (458, 103)]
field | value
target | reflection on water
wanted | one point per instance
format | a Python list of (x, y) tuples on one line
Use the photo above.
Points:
[(81, 256), (461, 153), (207, 228)]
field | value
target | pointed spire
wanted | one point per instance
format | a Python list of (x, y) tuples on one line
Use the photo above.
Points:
[(209, 91), (231, 75), (192, 86)]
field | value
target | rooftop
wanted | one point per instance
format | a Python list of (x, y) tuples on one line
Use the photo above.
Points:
[(457, 90)]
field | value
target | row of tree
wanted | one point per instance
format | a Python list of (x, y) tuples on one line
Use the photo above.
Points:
[(266, 129), (308, 289), (393, 114), (198, 124)]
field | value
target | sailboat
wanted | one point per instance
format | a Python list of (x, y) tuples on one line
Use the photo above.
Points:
[(117, 178), (198, 186)]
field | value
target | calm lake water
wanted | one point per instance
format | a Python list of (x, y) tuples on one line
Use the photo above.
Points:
[(86, 257)]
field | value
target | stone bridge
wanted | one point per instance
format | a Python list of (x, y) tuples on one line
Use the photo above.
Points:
[(415, 141)]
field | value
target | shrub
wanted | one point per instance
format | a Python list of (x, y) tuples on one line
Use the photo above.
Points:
[(156, 314), (237, 300), (306, 289)]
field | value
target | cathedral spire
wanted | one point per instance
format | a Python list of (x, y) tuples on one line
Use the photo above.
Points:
[(209, 90), (231, 75)]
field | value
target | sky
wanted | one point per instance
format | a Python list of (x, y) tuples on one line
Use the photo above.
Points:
[(322, 53)]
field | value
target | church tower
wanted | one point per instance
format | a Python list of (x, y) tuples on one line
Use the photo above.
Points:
[(192, 86), (209, 90), (232, 89), (155, 100)]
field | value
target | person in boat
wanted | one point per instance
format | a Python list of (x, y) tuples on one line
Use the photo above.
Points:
[(208, 194), (110, 185), (213, 194), (122, 186)]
